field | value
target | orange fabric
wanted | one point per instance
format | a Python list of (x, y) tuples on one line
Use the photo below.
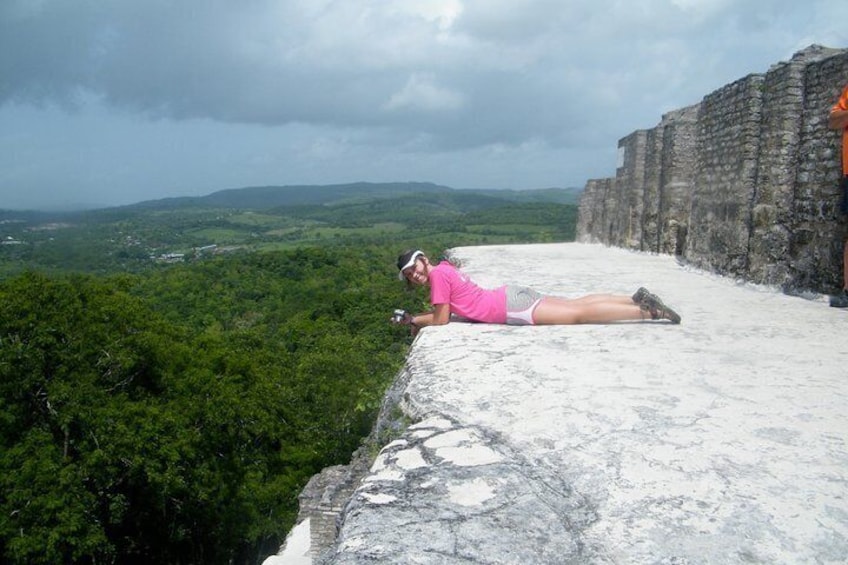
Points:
[(842, 104)]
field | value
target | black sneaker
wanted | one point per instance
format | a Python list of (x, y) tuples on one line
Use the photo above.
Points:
[(640, 295), (839, 300), (652, 304)]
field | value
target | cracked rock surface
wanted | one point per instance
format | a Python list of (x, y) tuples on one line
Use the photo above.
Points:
[(721, 440), (446, 489)]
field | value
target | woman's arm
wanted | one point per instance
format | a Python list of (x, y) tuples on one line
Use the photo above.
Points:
[(438, 317)]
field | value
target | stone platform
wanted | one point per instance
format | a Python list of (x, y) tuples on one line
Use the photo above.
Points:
[(721, 440)]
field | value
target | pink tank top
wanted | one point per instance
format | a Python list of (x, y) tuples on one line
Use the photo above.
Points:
[(451, 286)]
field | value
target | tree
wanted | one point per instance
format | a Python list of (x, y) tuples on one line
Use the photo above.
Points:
[(174, 418)]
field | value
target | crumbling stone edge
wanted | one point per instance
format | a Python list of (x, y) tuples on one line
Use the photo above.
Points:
[(326, 495)]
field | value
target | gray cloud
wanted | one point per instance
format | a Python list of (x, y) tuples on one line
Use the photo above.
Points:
[(430, 77), (492, 68)]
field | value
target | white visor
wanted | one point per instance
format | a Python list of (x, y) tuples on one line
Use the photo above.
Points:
[(414, 257)]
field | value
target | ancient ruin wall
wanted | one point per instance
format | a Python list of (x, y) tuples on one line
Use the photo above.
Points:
[(653, 186), (598, 208), (772, 205), (818, 229), (668, 182), (727, 148), (743, 183), (589, 211), (677, 177), (630, 184)]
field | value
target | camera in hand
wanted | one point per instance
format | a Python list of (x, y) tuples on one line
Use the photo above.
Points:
[(399, 316)]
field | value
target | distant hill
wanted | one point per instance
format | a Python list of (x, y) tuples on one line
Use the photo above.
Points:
[(146, 234), (409, 207), (266, 197)]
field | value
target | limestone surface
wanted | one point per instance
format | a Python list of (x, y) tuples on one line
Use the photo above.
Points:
[(720, 440)]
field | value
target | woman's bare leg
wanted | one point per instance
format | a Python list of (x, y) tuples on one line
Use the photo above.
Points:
[(592, 309), (602, 298)]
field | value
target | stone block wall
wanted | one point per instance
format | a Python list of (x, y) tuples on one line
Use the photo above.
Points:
[(322, 501), (630, 184), (727, 149), (743, 183), (652, 190), (777, 168), (818, 229), (598, 206), (677, 178)]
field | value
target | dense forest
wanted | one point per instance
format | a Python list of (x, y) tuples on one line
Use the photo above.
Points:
[(171, 411)]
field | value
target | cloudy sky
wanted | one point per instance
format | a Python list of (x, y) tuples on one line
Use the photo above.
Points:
[(108, 102)]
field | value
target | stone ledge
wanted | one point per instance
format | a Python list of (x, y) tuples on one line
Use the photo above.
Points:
[(722, 440)]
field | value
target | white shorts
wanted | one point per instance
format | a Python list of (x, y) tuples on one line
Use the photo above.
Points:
[(520, 304)]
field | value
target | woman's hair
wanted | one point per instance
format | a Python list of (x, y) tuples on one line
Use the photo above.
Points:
[(447, 255)]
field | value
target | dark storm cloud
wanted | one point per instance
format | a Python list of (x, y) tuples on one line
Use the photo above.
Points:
[(174, 59), (500, 76), (503, 93), (464, 73)]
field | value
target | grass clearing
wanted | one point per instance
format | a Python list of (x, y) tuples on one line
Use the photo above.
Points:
[(260, 220), (217, 235)]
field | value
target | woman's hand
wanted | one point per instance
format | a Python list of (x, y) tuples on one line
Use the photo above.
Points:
[(438, 317), (406, 319)]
